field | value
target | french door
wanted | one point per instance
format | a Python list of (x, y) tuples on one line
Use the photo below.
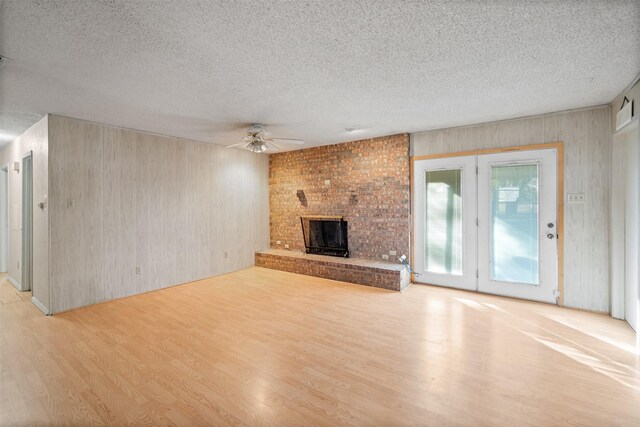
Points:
[(445, 209), (488, 223)]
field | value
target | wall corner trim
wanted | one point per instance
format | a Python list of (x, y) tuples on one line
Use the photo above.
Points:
[(14, 283), (42, 308)]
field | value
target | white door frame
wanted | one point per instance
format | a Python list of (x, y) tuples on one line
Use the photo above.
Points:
[(559, 146)]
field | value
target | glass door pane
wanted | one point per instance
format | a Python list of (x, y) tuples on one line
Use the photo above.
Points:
[(443, 222), (514, 223)]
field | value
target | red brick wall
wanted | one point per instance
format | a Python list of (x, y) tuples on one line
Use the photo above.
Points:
[(368, 185)]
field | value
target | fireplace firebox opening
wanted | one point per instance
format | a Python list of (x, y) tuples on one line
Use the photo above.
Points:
[(325, 235)]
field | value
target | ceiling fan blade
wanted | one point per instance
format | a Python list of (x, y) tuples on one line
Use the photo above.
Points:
[(235, 145), (271, 143), (287, 140)]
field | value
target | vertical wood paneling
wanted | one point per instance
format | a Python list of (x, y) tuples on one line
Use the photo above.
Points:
[(57, 205), (125, 199), (91, 212), (142, 186), (618, 206), (218, 238), (119, 215), (181, 220), (587, 142), (155, 189), (72, 214), (127, 232), (192, 201), (112, 209), (169, 212)]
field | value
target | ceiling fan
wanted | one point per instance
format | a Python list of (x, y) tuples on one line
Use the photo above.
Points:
[(259, 140)]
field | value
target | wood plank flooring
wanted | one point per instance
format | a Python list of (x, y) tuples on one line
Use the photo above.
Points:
[(264, 347)]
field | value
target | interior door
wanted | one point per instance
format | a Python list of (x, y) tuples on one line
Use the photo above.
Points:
[(445, 222), (517, 229)]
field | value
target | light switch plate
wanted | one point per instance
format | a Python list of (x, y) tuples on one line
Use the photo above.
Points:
[(385, 256), (575, 198)]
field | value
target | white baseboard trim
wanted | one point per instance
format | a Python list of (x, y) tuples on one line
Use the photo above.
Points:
[(40, 306), (14, 283)]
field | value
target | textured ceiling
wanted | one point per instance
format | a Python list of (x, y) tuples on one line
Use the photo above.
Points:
[(205, 70)]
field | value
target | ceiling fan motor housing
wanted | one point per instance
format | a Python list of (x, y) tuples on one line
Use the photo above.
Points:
[(255, 129)]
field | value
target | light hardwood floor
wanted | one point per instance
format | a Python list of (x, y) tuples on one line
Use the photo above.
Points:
[(267, 347)]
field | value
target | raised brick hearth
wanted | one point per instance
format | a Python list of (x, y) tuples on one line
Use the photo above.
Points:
[(367, 272)]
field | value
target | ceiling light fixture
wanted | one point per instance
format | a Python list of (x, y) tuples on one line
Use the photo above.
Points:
[(257, 146)]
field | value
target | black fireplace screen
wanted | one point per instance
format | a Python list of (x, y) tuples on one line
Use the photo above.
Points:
[(325, 236)]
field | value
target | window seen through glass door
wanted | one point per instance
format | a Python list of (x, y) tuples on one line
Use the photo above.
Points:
[(443, 221), (514, 223)]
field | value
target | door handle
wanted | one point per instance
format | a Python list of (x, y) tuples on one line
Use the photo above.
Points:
[(550, 236)]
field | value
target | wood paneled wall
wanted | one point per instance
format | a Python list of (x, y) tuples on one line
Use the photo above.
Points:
[(587, 161), (133, 212), (35, 139)]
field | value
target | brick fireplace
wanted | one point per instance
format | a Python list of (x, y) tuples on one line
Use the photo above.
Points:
[(367, 183)]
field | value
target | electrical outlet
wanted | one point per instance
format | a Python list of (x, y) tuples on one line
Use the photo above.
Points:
[(327, 182), (575, 197), (138, 270), (392, 253), (385, 256), (286, 246), (278, 242)]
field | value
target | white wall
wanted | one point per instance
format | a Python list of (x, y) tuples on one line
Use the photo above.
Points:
[(122, 199), (35, 139), (620, 203), (587, 169)]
